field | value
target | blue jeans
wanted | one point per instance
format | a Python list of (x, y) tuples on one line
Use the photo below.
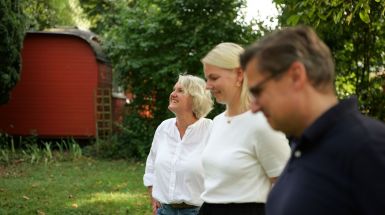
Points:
[(168, 210)]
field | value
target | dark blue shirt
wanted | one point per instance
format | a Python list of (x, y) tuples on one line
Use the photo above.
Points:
[(336, 167)]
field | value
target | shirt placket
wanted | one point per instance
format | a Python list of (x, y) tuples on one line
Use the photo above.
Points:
[(174, 164)]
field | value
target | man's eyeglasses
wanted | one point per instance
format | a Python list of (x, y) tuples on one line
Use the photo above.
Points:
[(257, 89)]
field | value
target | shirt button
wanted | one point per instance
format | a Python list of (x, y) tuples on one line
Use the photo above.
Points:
[(297, 153)]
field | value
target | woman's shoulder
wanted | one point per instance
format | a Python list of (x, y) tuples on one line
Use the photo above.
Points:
[(263, 128), (167, 123), (259, 115), (219, 116), (206, 120), (256, 122), (205, 123)]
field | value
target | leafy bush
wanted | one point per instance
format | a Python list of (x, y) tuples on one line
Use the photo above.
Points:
[(12, 30)]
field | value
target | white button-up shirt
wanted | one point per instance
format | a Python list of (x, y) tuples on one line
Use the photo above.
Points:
[(173, 166), (240, 157)]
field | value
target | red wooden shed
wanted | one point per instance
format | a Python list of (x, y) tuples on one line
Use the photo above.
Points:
[(64, 90)]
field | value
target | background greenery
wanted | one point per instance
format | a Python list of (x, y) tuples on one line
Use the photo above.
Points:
[(150, 42), (12, 28)]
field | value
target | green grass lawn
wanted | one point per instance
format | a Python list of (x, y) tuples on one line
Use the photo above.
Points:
[(85, 186)]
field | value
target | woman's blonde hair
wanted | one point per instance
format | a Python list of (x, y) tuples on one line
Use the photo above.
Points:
[(226, 56), (194, 86)]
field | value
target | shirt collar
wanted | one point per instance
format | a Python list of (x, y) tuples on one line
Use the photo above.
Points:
[(195, 124)]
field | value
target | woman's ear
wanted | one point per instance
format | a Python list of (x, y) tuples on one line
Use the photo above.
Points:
[(240, 76)]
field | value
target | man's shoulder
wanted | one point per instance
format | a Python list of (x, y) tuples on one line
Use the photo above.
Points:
[(366, 127), (354, 133)]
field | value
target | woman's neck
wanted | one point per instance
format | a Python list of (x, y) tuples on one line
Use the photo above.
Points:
[(235, 108), (183, 121), (234, 111)]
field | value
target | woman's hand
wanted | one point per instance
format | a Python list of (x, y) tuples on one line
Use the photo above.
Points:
[(155, 206), (154, 203)]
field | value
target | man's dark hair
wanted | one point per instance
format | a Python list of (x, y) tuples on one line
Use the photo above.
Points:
[(276, 52)]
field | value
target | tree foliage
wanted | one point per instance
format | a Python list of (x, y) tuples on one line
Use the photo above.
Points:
[(103, 13), (42, 14), (355, 32), (12, 29), (151, 42)]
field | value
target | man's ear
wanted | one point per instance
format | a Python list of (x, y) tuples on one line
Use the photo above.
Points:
[(297, 75)]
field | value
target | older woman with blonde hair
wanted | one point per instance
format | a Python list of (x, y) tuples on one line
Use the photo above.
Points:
[(173, 174), (244, 155)]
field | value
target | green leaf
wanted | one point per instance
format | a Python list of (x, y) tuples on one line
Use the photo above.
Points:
[(349, 18), (337, 17), (364, 16), (293, 20)]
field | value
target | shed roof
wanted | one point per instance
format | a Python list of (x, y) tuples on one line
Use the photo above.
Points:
[(91, 38)]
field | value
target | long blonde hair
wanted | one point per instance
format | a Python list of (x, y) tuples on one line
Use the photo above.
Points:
[(226, 56)]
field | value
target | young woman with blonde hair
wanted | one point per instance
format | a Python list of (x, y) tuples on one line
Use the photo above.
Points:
[(244, 155)]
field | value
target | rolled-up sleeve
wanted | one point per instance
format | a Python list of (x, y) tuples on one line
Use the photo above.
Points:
[(149, 173)]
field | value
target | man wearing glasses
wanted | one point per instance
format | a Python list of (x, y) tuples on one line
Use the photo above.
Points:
[(338, 160)]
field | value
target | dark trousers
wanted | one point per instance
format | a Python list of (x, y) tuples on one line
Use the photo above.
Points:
[(232, 209)]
